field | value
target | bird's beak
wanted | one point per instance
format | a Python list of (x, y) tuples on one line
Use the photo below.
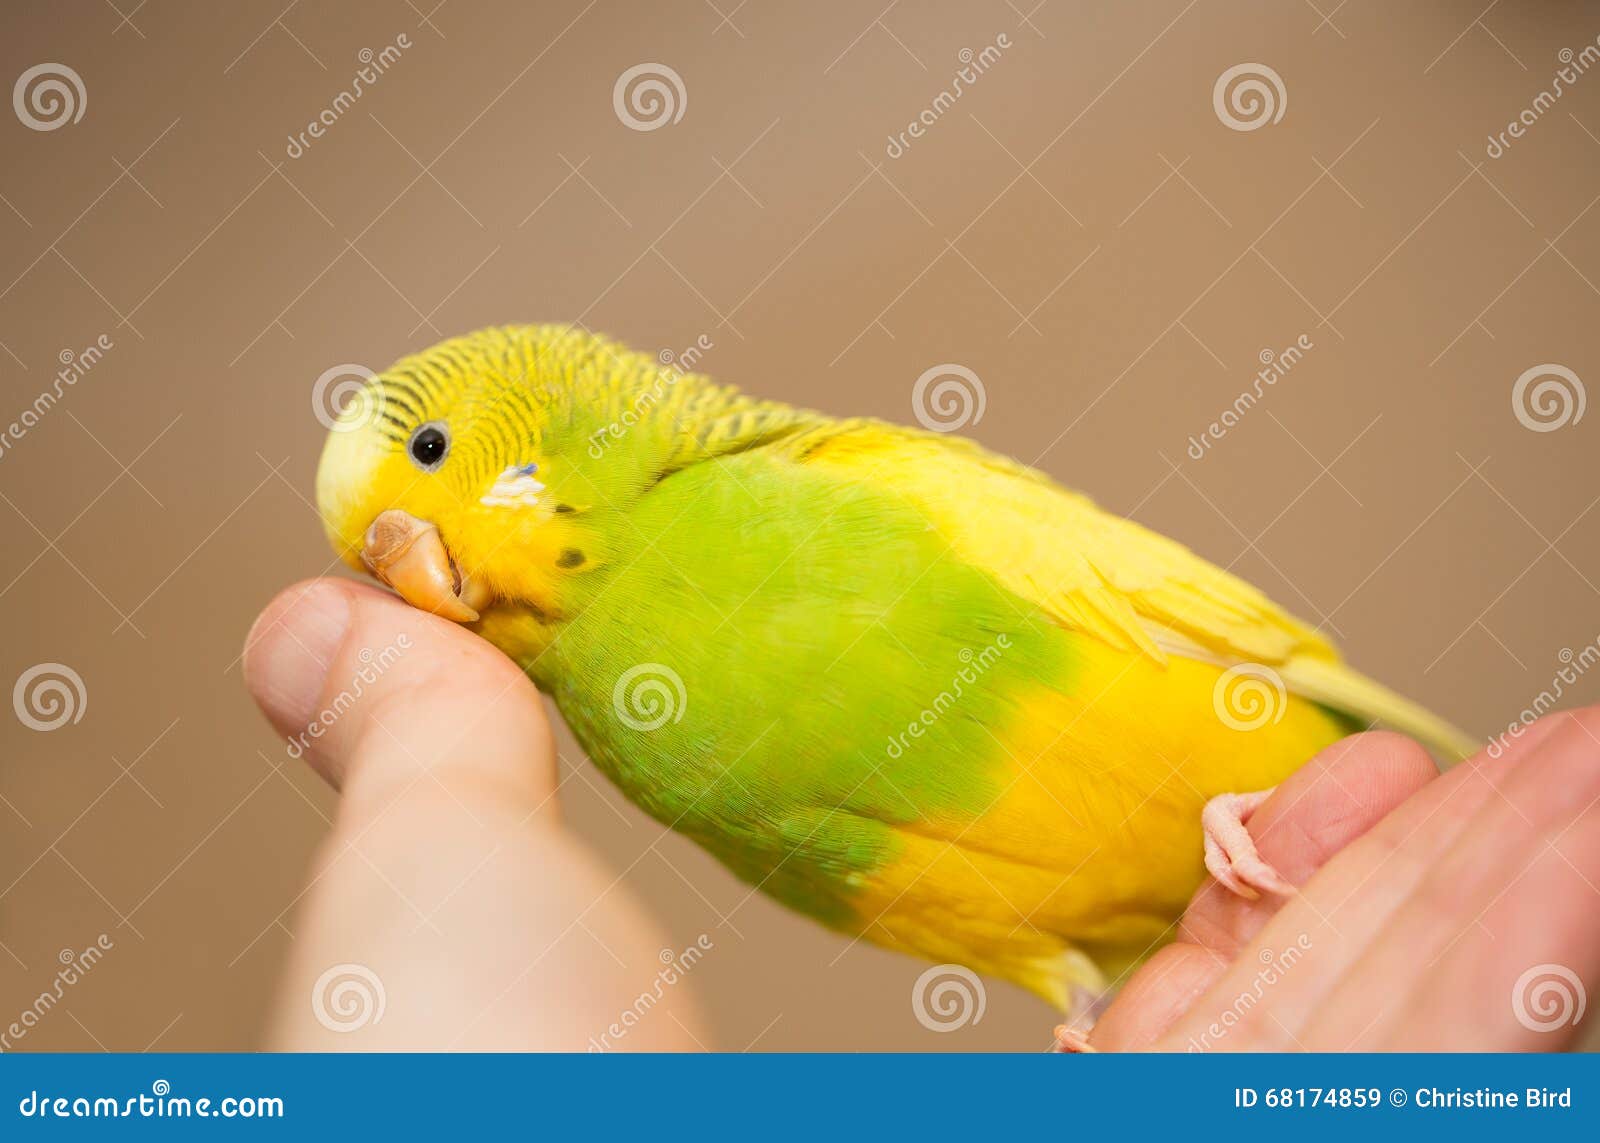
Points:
[(408, 554)]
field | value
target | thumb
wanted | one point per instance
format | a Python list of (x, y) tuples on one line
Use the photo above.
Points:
[(378, 696)]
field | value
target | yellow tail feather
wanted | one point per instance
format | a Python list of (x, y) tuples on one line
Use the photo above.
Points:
[(1334, 684)]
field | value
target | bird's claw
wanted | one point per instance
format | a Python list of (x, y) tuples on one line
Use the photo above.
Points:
[(1073, 1041), (1231, 854)]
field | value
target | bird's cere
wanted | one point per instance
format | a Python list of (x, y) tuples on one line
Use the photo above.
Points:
[(515, 487), (409, 555)]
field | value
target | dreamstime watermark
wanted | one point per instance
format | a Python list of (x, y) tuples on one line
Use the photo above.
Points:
[(649, 96), (973, 66), (1548, 997), (1274, 966), (675, 366), (1573, 65), (1274, 368), (373, 65), (1249, 96), (157, 1103), (1574, 665), (75, 965), (348, 997), (344, 398), (948, 997), (48, 96), (1548, 397), (948, 398), (975, 664), (373, 666), (47, 696), (648, 696), (75, 365), (674, 967), (1248, 696)]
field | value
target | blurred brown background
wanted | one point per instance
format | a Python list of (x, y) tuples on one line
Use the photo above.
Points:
[(1081, 229)]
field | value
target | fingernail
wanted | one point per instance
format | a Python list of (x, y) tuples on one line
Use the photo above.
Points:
[(290, 649)]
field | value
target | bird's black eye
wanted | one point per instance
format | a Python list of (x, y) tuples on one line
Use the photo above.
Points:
[(429, 446)]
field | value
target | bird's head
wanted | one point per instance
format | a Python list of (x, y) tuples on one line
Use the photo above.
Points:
[(489, 471)]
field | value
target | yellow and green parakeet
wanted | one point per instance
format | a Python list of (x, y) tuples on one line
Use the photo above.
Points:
[(905, 686)]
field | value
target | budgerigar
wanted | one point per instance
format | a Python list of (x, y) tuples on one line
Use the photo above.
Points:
[(908, 687)]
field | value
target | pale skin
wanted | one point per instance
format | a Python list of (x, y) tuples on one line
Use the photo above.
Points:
[(448, 871), (1418, 899), (1421, 900)]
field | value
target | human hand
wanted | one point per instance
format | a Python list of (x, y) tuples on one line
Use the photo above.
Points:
[(1432, 914), (447, 876)]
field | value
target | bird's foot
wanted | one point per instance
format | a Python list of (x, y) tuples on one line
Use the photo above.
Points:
[(1231, 855), (1084, 1008), (1072, 1040)]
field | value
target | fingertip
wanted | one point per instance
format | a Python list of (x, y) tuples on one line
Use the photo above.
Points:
[(354, 678), (1374, 766), (291, 646), (1336, 797), (323, 601), (433, 697), (1389, 765)]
